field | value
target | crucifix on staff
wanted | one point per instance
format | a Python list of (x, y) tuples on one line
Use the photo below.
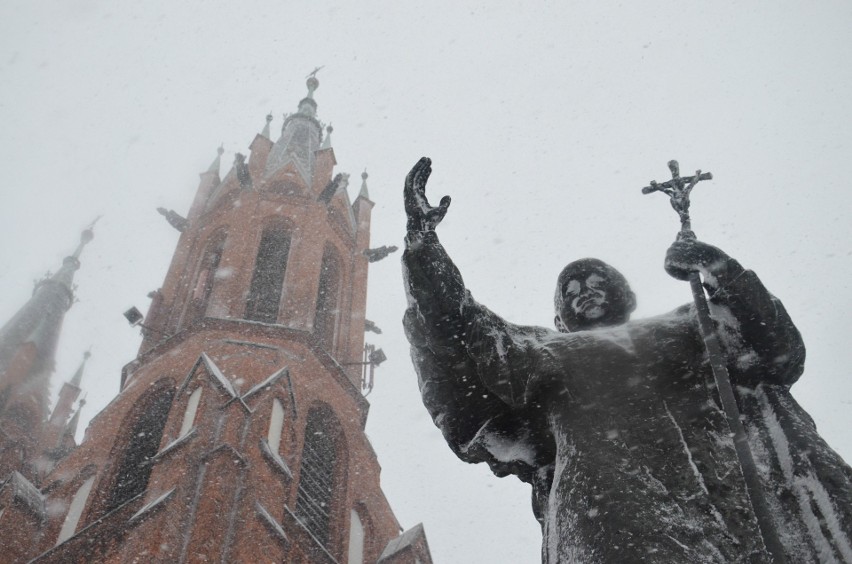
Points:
[(679, 189)]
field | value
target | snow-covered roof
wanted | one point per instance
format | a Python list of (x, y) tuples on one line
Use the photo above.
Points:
[(25, 493), (406, 539)]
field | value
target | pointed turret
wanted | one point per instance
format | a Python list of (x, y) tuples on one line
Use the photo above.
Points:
[(27, 358), (364, 193), (301, 136), (265, 131), (363, 205), (57, 441), (260, 147), (326, 144), (77, 379), (71, 428), (67, 396), (209, 181), (217, 162), (361, 211)]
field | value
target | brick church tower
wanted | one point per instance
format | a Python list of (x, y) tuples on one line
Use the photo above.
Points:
[(238, 433)]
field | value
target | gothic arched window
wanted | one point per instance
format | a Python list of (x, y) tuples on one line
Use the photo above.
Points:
[(317, 475), (267, 282), (189, 413), (206, 277), (276, 425), (328, 300), (75, 511), (142, 438), (356, 538)]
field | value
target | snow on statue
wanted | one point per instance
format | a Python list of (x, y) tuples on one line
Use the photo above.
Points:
[(616, 424)]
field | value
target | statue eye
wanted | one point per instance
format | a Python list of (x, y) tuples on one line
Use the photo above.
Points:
[(595, 281), (571, 287)]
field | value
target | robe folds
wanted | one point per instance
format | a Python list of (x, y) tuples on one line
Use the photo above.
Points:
[(620, 431)]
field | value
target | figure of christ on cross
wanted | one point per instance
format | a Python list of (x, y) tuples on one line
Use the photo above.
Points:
[(616, 423)]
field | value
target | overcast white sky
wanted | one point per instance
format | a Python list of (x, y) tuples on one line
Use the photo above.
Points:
[(543, 121)]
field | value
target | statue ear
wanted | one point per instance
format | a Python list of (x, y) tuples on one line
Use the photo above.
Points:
[(631, 302)]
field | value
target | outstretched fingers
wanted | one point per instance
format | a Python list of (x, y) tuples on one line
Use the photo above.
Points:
[(435, 215), (415, 186), (422, 216), (421, 171), (419, 174)]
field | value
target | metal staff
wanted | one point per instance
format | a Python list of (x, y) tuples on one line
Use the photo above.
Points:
[(678, 189)]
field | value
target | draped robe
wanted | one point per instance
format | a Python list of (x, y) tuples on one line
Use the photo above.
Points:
[(620, 431)]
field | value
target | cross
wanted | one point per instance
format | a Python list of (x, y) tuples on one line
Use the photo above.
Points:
[(314, 72), (678, 189)]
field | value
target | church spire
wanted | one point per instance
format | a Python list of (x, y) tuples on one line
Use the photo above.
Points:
[(301, 136), (308, 106), (28, 355), (65, 275), (40, 319)]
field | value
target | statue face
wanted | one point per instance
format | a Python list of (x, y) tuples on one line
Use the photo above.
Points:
[(586, 298), (593, 297)]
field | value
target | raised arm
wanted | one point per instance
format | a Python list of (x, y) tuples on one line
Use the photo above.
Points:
[(769, 348), (465, 380), (434, 284)]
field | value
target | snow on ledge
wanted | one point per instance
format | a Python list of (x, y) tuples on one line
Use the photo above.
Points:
[(217, 374), (275, 459), (175, 443), (149, 506), (271, 522), (266, 383)]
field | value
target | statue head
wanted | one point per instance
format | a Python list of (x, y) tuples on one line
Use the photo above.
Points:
[(591, 294)]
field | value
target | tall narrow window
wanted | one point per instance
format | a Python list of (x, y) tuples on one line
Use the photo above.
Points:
[(189, 414), (316, 479), (134, 469), (268, 279), (75, 510), (276, 422), (356, 539), (206, 277), (328, 297)]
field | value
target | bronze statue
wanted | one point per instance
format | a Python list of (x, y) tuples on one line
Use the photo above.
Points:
[(617, 424)]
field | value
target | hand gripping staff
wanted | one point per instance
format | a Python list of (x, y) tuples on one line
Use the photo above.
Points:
[(678, 190)]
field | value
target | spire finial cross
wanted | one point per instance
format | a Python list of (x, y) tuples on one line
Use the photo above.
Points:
[(85, 237), (678, 189), (313, 73)]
